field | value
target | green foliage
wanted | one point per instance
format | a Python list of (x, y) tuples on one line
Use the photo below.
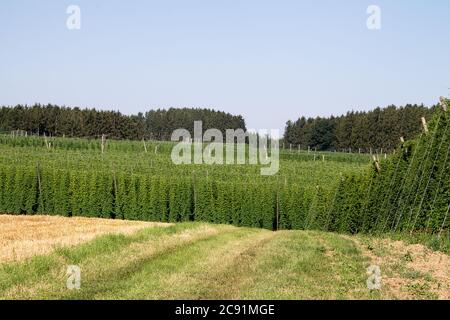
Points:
[(52, 120), (358, 131), (410, 193)]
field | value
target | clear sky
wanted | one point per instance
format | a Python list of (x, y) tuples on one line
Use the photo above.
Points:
[(268, 60)]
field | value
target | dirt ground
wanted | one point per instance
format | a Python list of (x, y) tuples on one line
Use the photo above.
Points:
[(409, 271)]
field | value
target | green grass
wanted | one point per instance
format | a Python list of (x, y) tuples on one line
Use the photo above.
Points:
[(206, 261), (197, 261)]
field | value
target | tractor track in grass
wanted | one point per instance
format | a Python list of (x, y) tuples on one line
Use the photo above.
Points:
[(206, 261), (99, 265)]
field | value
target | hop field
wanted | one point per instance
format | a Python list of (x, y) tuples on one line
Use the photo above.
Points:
[(408, 191), (73, 177)]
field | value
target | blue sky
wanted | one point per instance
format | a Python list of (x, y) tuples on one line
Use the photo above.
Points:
[(268, 60)]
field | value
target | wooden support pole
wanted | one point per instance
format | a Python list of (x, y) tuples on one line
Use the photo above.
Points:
[(114, 180), (38, 171), (194, 190), (46, 141), (424, 124), (103, 143), (145, 146), (402, 139), (278, 214), (443, 103), (377, 163)]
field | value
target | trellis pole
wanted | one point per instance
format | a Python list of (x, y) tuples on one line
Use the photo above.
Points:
[(443, 223), (39, 179), (278, 212), (145, 146), (115, 182), (46, 141), (443, 103), (424, 124), (103, 143), (377, 163)]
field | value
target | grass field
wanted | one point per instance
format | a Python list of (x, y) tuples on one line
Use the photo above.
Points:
[(204, 261)]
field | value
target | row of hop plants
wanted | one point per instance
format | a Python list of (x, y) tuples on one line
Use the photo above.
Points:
[(270, 205), (162, 147), (408, 192), (61, 143)]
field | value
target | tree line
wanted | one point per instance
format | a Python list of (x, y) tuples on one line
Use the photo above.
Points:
[(362, 131), (53, 120), (356, 131)]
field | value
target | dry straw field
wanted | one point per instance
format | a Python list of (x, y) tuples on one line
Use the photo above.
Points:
[(25, 236)]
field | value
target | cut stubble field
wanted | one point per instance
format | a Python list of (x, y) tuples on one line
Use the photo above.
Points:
[(137, 260), (26, 236)]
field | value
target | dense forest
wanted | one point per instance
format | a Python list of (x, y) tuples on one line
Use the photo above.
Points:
[(358, 131), (53, 120)]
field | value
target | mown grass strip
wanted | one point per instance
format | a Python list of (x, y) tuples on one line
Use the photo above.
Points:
[(151, 278), (307, 265), (49, 267)]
